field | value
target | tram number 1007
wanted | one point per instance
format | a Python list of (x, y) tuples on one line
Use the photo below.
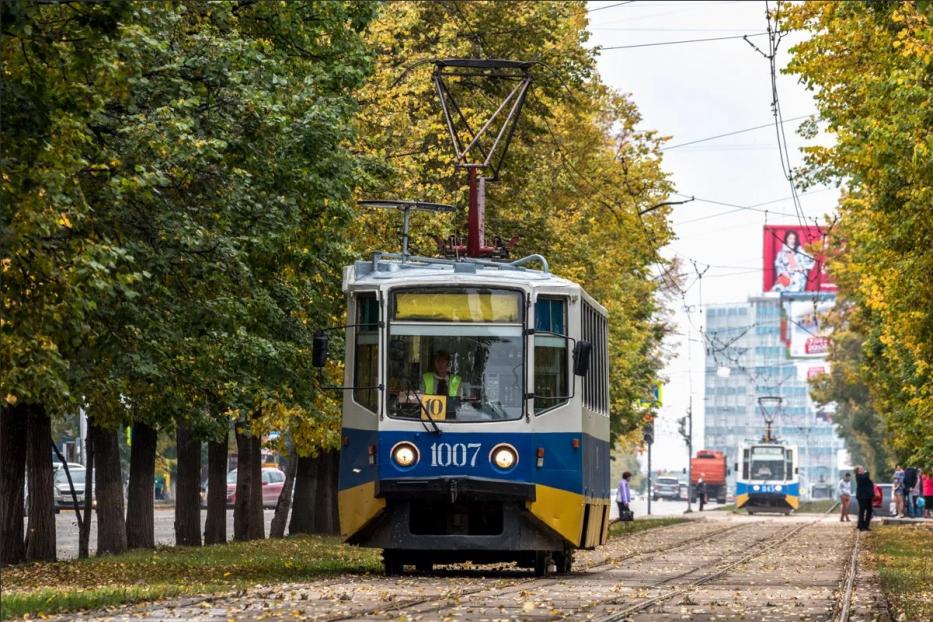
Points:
[(454, 454)]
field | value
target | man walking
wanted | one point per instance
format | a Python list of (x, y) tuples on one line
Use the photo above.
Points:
[(701, 492), (845, 496), (911, 490), (864, 494)]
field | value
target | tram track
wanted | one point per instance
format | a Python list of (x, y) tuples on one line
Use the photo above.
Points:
[(772, 541), (413, 606), (845, 604)]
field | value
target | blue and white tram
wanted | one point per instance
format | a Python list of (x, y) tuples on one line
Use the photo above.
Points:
[(767, 478), (478, 425)]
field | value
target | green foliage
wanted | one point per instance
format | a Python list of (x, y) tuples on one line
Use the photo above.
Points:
[(869, 66), (175, 180)]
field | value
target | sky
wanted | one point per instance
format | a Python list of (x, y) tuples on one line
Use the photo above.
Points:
[(692, 91)]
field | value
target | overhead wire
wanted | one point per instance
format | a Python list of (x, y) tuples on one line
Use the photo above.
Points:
[(609, 6), (736, 132), (680, 42)]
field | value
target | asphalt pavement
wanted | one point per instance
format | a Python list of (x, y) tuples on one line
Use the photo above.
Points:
[(66, 529)]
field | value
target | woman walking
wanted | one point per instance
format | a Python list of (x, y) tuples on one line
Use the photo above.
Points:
[(845, 496)]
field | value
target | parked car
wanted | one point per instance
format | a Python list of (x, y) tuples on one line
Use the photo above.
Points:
[(887, 498), (62, 491), (56, 469), (273, 480), (666, 488)]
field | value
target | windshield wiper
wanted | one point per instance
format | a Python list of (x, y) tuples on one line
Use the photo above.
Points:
[(424, 408), (437, 430)]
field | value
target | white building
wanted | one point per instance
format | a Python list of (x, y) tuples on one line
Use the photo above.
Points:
[(746, 359)]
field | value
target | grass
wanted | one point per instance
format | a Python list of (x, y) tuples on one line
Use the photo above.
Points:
[(901, 556), (642, 524), (41, 589)]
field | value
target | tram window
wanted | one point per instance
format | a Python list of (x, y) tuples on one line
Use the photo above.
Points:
[(366, 353), (767, 463), (550, 354), (477, 369), (596, 383)]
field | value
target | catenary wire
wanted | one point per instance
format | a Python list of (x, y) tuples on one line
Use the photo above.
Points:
[(657, 43)]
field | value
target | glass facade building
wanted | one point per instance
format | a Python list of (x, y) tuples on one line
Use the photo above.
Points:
[(746, 359)]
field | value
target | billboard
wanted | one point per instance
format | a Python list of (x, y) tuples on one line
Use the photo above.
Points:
[(807, 332), (793, 262)]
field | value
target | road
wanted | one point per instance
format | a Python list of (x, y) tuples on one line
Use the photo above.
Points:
[(718, 566), (66, 529)]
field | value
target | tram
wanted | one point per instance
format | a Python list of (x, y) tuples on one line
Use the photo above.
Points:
[(477, 425), (767, 478)]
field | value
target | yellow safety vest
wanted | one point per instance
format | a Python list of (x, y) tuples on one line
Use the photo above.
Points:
[(453, 384)]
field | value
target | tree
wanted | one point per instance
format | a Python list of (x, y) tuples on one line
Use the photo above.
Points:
[(215, 525), (12, 481), (167, 215), (108, 489), (868, 65), (140, 521), (187, 496)]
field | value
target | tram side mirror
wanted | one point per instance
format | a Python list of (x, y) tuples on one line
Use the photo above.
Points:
[(319, 348), (736, 467), (581, 357)]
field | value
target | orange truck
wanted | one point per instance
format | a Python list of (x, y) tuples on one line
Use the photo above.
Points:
[(712, 466)]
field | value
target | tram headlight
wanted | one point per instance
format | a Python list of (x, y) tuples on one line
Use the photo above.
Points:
[(779, 488), (405, 454), (503, 457), (756, 487)]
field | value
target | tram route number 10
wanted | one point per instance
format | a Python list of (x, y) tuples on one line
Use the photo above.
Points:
[(454, 454)]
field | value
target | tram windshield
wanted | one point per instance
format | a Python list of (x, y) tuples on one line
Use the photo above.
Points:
[(767, 463), (457, 353)]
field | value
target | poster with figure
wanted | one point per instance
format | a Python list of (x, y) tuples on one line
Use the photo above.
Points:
[(794, 260), (807, 331)]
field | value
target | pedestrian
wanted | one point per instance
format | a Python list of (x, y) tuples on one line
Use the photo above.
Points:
[(864, 494), (701, 492), (927, 490), (624, 496), (897, 485), (845, 496), (911, 490)]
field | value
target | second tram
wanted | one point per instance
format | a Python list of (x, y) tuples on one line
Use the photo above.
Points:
[(767, 478)]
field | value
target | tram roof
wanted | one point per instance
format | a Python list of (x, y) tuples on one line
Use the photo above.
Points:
[(391, 269)]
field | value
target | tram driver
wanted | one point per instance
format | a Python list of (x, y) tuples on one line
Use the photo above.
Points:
[(438, 381)]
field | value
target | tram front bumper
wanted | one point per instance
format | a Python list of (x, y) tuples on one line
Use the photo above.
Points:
[(456, 514)]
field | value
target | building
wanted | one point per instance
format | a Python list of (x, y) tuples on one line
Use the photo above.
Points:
[(746, 358)]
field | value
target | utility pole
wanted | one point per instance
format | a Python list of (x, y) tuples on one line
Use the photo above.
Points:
[(689, 454), (648, 434), (686, 432)]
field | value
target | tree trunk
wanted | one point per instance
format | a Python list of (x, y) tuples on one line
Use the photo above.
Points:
[(241, 515), (257, 521), (12, 480), (108, 488), (277, 529), (302, 503), (215, 527), (40, 536), (84, 533), (326, 502), (140, 528), (187, 497)]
